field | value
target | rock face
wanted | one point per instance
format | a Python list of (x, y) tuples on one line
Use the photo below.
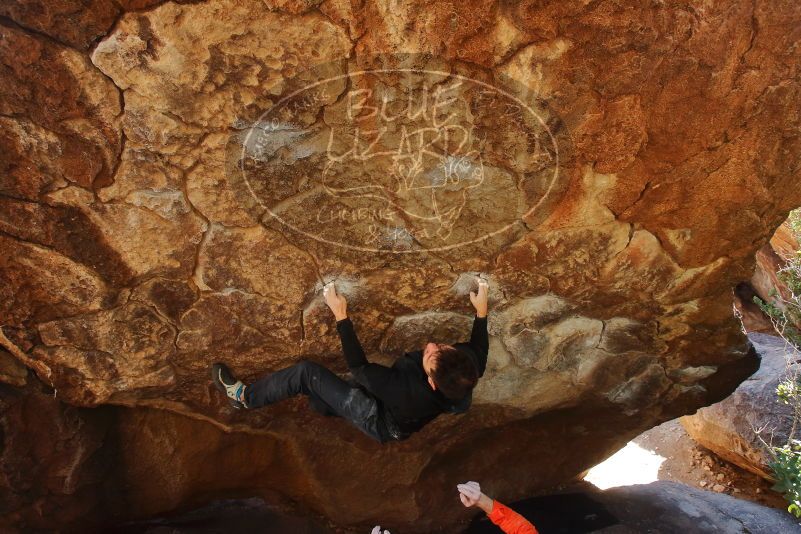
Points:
[(665, 507), (728, 427), (658, 508), (58, 461), (771, 259), (749, 312), (177, 181)]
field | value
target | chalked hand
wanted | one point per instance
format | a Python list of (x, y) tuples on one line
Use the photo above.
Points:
[(479, 298), (469, 493), (337, 303)]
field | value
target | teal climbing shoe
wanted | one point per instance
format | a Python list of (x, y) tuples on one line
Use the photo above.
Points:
[(228, 384)]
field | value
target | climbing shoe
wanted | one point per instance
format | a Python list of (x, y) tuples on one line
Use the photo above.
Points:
[(225, 382)]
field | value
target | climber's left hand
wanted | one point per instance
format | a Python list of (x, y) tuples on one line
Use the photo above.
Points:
[(479, 298)]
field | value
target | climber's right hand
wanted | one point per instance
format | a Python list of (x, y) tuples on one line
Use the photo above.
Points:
[(470, 495), (337, 303)]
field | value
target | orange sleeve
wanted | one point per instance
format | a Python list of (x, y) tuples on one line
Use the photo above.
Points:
[(510, 521)]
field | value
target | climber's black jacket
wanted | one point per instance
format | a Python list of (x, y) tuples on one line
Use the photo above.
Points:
[(403, 389)]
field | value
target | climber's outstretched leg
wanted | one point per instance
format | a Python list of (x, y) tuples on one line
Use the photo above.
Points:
[(327, 392)]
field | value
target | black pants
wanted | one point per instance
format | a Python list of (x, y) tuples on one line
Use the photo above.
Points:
[(328, 394)]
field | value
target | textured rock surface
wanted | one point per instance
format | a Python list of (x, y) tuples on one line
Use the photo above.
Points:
[(657, 508), (132, 258), (57, 463), (749, 312), (728, 427), (771, 259), (664, 507)]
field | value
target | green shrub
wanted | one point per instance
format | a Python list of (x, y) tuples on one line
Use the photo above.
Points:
[(786, 467)]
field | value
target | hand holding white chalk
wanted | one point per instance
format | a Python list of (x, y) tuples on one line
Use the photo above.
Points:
[(337, 303), (470, 495), (479, 298)]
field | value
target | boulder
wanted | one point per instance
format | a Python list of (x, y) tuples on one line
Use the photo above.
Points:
[(729, 428), (179, 179), (665, 507), (771, 259), (658, 508), (57, 463), (749, 312)]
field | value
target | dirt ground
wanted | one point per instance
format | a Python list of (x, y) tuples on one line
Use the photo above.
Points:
[(689, 463)]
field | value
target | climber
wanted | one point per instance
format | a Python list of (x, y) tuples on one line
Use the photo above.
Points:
[(386, 403), (505, 518)]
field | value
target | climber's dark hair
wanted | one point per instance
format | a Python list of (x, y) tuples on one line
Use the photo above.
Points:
[(454, 372)]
